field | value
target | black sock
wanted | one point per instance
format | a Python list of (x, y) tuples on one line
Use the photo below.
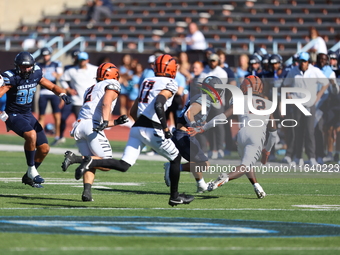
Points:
[(37, 164), (111, 163), (174, 176), (76, 159), (87, 187)]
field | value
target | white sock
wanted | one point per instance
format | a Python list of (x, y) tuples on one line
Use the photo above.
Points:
[(201, 182), (256, 184), (32, 172)]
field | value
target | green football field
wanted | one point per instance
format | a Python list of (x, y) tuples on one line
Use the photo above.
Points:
[(131, 215)]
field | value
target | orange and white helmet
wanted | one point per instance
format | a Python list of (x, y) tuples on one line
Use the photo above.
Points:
[(253, 82), (107, 71), (165, 65)]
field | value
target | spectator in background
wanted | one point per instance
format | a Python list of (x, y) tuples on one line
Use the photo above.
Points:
[(127, 85), (321, 106), (98, 9), (148, 72), (195, 39), (319, 45), (254, 66), (197, 68), (66, 109), (52, 71), (307, 77), (242, 69), (184, 65), (77, 79)]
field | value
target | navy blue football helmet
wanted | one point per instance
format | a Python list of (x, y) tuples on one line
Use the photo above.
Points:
[(24, 58)]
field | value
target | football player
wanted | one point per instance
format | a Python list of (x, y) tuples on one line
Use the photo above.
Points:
[(20, 85), (189, 147), (150, 128), (99, 101), (250, 139)]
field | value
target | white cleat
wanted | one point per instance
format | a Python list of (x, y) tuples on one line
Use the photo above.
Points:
[(202, 188), (167, 174), (221, 179), (259, 191)]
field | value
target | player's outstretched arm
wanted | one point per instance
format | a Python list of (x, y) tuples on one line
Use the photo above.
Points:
[(58, 91)]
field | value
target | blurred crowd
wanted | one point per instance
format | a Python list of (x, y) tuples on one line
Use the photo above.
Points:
[(220, 141)]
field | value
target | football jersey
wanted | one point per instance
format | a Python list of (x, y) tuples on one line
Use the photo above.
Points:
[(199, 118), (20, 96), (254, 120), (93, 100), (148, 92)]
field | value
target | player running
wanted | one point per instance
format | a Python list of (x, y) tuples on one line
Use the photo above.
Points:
[(191, 116), (250, 139), (99, 102), (20, 85), (150, 128)]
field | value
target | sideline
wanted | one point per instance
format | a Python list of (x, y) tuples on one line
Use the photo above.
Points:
[(61, 151)]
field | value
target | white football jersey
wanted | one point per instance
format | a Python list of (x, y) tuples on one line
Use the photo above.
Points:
[(148, 92), (93, 98), (253, 120)]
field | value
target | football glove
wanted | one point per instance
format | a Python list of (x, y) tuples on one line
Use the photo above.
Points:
[(65, 97), (265, 155), (102, 126), (167, 134), (192, 131), (121, 120)]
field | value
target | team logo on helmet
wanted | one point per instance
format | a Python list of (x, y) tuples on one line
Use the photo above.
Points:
[(165, 65), (209, 87), (107, 71), (253, 82)]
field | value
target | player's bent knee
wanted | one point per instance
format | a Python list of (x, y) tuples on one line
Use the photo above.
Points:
[(43, 148)]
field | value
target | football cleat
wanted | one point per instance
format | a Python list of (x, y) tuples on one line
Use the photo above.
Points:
[(221, 179), (167, 174), (181, 199), (202, 188), (68, 160), (84, 166), (38, 179), (86, 196), (259, 191), (28, 181)]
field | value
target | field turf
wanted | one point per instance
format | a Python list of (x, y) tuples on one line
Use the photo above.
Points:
[(141, 195)]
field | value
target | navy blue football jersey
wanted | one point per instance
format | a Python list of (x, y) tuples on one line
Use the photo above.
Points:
[(20, 96), (199, 118)]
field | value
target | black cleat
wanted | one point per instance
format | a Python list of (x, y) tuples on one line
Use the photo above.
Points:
[(84, 166), (28, 181), (68, 160), (38, 179), (87, 197), (181, 199)]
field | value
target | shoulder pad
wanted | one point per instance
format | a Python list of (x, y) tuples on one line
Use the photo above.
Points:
[(114, 85), (36, 67), (9, 73)]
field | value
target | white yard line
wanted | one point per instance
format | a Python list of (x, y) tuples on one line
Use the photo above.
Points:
[(184, 209)]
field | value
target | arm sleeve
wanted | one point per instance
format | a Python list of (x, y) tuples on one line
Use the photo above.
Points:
[(159, 109)]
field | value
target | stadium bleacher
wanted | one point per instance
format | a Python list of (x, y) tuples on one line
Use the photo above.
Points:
[(237, 22)]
